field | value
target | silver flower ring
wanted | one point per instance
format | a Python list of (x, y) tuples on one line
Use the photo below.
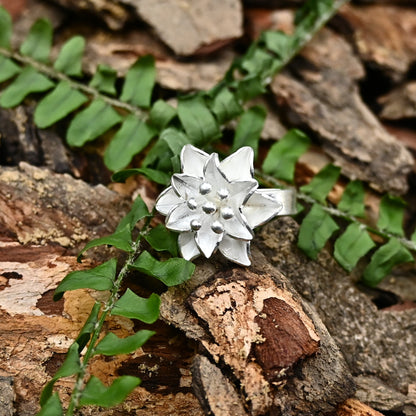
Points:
[(215, 205)]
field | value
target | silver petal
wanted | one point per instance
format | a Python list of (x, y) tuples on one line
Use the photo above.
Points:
[(239, 165), (167, 200), (193, 160), (237, 227), (186, 186), (212, 173), (265, 204), (187, 245), (240, 191), (180, 218), (235, 250), (206, 239)]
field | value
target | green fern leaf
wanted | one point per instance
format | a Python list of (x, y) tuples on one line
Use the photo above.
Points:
[(5, 28), (175, 139), (52, 407), (111, 344), (321, 184), (315, 231), (383, 261), (283, 155), (391, 214), (249, 129), (161, 114), (57, 104), (352, 200), (92, 122), (353, 244), (69, 60), (139, 82), (104, 79), (27, 82), (133, 136), (277, 42), (225, 106), (248, 88), (38, 42), (8, 69), (152, 174)]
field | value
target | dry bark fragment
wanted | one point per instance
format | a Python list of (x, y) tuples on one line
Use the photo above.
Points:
[(399, 103), (322, 97), (353, 407)]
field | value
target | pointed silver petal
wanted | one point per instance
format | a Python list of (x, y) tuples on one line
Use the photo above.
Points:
[(167, 200), (213, 175), (235, 250), (239, 165), (206, 239), (179, 219), (187, 245), (241, 191), (193, 160), (237, 227), (265, 204), (186, 186)]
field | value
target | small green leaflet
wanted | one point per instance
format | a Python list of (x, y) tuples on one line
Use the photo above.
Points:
[(139, 82), (137, 212), (175, 139), (316, 229), (383, 261), (38, 42), (5, 28), (154, 175), (353, 244), (69, 60), (391, 214), (91, 122), (259, 61), (248, 88), (352, 200), (171, 272), (283, 155), (104, 79), (58, 104), (225, 106), (322, 183), (133, 136), (8, 69), (198, 121), (69, 367), (277, 42), (98, 278), (52, 407), (135, 307), (249, 129), (96, 393), (161, 114), (28, 81), (161, 239), (88, 328), (111, 344)]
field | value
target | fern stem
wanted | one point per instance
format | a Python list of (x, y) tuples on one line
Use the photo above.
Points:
[(54, 74), (335, 212)]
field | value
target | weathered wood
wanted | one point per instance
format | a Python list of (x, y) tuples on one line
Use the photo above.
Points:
[(377, 342), (322, 96), (353, 407), (400, 103)]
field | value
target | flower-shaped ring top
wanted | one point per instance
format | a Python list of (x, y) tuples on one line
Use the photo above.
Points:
[(215, 204)]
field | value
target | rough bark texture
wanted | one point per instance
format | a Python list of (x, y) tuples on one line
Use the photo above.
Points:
[(399, 103)]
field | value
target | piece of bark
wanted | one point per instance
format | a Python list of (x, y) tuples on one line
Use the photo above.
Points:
[(322, 96), (189, 26), (399, 103), (367, 27), (376, 342), (353, 407), (6, 396), (38, 206), (224, 319), (218, 396)]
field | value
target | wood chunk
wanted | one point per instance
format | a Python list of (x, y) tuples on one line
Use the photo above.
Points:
[(38, 206), (376, 342), (214, 390), (7, 396), (367, 27), (353, 407), (325, 100), (399, 103), (188, 26)]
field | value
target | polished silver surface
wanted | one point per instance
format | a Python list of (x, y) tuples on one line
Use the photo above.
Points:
[(215, 205)]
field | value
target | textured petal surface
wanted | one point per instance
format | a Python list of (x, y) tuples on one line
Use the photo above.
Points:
[(265, 204), (187, 245), (241, 191), (193, 160), (212, 173), (186, 186), (167, 200), (239, 165), (235, 250), (206, 239), (180, 218), (236, 227)]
